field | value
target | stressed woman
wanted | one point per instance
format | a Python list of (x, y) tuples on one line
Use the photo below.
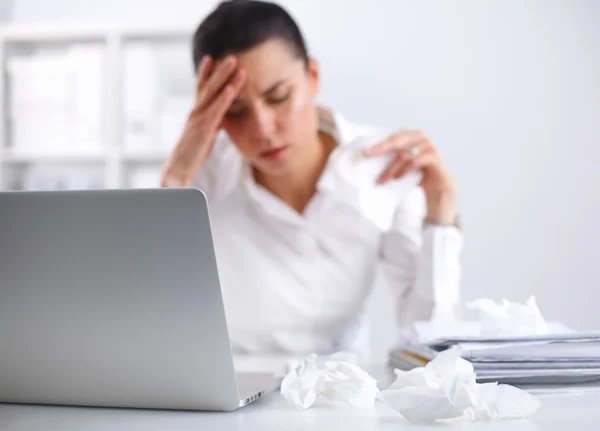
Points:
[(307, 206)]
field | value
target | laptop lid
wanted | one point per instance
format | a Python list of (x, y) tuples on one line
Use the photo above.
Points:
[(112, 298)]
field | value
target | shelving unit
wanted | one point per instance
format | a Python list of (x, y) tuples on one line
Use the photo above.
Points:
[(145, 87)]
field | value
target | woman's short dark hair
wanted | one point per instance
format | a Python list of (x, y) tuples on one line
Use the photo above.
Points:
[(235, 26)]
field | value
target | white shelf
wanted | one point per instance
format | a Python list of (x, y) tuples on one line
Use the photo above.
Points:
[(70, 158), (77, 32), (145, 156), (114, 159)]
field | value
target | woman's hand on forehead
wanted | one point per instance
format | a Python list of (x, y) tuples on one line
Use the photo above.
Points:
[(218, 84)]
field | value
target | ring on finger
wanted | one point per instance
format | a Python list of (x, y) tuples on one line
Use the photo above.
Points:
[(413, 151)]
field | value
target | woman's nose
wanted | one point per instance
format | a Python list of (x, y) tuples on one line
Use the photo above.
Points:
[(263, 122)]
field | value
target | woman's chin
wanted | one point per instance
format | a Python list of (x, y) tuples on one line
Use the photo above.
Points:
[(274, 166)]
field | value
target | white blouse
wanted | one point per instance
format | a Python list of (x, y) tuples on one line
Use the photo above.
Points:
[(299, 283)]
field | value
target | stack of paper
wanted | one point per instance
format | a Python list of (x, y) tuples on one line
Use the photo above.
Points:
[(533, 362)]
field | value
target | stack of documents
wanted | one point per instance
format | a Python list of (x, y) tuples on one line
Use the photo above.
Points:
[(533, 362)]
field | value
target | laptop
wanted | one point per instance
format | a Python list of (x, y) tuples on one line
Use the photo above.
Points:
[(111, 298)]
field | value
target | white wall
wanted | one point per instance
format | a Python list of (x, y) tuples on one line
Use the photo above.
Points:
[(510, 90), (5, 10)]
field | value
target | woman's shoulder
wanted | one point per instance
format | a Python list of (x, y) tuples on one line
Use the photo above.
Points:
[(352, 177), (350, 132)]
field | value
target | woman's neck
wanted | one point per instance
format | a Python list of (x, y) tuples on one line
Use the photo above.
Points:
[(297, 187)]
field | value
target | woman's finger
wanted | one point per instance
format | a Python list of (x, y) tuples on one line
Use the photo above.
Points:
[(414, 148), (395, 142), (394, 166), (404, 156), (204, 69), (226, 96), (405, 163), (221, 74), (422, 160)]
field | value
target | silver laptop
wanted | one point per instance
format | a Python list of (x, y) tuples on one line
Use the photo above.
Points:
[(111, 298)]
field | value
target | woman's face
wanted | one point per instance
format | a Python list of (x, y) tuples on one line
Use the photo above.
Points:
[(273, 117)]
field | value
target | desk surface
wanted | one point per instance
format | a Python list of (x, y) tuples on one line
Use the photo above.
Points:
[(558, 412)]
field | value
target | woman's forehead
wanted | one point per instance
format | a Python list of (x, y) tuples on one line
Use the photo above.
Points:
[(269, 63)]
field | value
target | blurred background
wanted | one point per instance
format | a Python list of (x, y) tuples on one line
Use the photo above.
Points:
[(95, 94)]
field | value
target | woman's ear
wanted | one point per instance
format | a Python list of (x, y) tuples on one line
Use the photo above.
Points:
[(314, 76)]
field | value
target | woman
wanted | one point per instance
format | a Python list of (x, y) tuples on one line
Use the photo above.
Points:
[(301, 220)]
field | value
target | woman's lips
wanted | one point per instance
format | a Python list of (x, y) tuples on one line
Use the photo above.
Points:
[(274, 154)]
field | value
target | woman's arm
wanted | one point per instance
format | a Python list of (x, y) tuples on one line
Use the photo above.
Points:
[(421, 252), (421, 262), (217, 86), (220, 172)]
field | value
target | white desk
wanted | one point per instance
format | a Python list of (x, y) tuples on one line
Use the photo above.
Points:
[(559, 412)]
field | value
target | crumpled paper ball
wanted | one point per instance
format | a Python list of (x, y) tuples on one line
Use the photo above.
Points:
[(446, 388), (509, 319), (332, 381)]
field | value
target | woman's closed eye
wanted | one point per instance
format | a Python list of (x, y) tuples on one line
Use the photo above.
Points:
[(276, 99)]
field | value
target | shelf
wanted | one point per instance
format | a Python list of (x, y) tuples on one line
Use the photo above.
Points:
[(52, 33), (69, 32), (177, 32), (145, 156), (24, 158), (118, 165)]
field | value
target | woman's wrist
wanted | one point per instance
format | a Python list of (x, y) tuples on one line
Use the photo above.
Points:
[(441, 209), (173, 177)]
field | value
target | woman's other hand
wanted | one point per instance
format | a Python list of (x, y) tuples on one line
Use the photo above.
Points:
[(415, 151)]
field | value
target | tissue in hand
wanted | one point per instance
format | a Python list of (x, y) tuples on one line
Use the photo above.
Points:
[(446, 388), (332, 381), (509, 319), (353, 179)]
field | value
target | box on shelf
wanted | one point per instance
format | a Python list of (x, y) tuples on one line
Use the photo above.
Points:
[(159, 94), (51, 134), (55, 99), (140, 93)]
